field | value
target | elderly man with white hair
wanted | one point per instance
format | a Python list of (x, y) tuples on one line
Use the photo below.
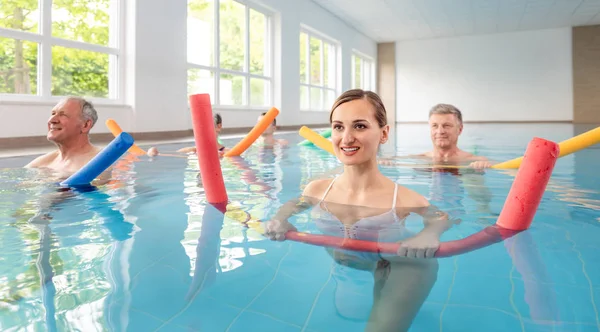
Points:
[(69, 127)]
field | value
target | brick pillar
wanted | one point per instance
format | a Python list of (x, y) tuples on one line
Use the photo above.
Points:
[(586, 74)]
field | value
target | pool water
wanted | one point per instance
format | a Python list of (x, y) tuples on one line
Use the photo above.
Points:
[(145, 253)]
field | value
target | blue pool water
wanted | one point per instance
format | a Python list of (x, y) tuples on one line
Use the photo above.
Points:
[(144, 253)]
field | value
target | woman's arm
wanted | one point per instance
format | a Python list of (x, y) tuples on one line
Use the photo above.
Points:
[(276, 228), (427, 241)]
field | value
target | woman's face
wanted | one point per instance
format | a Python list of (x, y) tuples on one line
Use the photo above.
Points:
[(356, 135)]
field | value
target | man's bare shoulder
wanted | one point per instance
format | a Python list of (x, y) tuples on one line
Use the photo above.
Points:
[(464, 155), (43, 160)]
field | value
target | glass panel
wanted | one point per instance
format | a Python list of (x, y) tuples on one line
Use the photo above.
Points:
[(18, 66), (201, 81), (258, 42), (201, 32), (232, 90), (80, 73), (357, 73), (367, 79), (19, 15), (303, 44), (315, 99), (315, 61), (86, 21), (304, 97), (329, 99), (232, 34), (329, 65), (259, 92)]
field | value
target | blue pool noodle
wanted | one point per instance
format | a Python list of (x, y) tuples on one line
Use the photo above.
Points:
[(103, 160)]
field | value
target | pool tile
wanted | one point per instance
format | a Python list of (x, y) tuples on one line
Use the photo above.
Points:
[(575, 304), (250, 321), (122, 317), (485, 291), (205, 314), (287, 299), (476, 318), (160, 290), (559, 327)]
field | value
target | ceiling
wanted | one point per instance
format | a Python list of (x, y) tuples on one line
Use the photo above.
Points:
[(394, 20)]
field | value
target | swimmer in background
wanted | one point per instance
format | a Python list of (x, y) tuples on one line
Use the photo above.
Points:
[(267, 139), (445, 126), (218, 121), (69, 128)]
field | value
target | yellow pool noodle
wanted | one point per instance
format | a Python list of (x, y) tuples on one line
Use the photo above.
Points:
[(567, 147), (116, 130), (316, 139)]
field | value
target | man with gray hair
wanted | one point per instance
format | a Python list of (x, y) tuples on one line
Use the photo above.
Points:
[(445, 125), (69, 126)]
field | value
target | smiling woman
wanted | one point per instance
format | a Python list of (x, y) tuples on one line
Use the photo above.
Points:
[(363, 195)]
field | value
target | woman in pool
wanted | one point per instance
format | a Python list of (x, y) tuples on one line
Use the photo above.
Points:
[(351, 205), (153, 151)]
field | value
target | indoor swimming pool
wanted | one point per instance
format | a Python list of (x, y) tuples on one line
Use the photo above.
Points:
[(145, 252)]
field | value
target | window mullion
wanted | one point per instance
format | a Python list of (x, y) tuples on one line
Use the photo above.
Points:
[(45, 52), (247, 56), (216, 59)]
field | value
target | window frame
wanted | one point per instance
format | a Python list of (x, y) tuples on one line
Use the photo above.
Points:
[(45, 41), (363, 58), (217, 70), (310, 32)]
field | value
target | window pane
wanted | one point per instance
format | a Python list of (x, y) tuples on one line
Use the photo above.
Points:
[(201, 81), (303, 43), (329, 64), (367, 79), (357, 73), (18, 66), (315, 61), (78, 72), (82, 20), (232, 90), (19, 15), (201, 32), (258, 38), (315, 99), (304, 105), (259, 92), (232, 32), (329, 99)]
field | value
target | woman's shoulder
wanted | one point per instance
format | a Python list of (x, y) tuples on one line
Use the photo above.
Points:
[(410, 199), (316, 188)]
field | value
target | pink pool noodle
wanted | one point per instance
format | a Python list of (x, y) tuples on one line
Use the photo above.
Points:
[(206, 149), (518, 212), (529, 185)]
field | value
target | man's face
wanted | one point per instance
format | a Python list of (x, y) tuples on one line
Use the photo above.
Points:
[(66, 122), (444, 130)]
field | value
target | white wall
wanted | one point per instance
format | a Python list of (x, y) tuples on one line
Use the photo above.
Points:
[(155, 73), (522, 76)]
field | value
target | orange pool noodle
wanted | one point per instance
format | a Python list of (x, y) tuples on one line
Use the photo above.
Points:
[(529, 185), (116, 131), (206, 149), (253, 135)]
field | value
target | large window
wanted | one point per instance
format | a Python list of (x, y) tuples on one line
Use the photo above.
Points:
[(362, 72), (60, 47), (318, 72), (229, 53)]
